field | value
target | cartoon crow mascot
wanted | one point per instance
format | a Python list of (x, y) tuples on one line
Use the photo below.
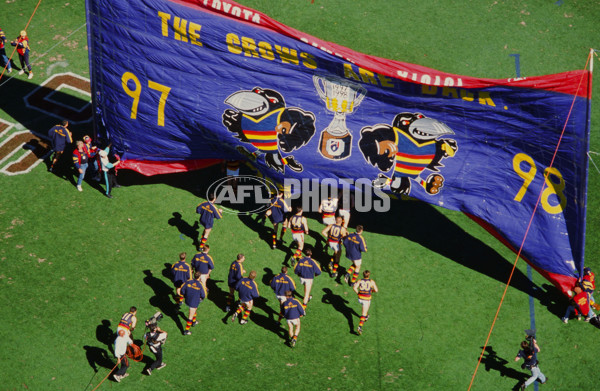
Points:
[(410, 146), (261, 119)]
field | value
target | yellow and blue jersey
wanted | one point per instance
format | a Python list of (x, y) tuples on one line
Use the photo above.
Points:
[(235, 274), (126, 321), (307, 268), (181, 272), (335, 233), (296, 224), (355, 245), (203, 263), (278, 210), (247, 289), (292, 309), (282, 283), (208, 213), (194, 292), (365, 288)]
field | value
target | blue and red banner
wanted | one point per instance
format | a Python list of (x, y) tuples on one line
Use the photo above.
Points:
[(179, 84)]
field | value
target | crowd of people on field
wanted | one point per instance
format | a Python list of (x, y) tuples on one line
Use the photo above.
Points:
[(88, 158)]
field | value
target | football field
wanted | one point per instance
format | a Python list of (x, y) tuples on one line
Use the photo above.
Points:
[(71, 263)]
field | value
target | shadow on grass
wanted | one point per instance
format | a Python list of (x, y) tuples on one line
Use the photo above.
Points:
[(191, 231), (264, 230), (162, 298), (98, 358), (267, 322), (340, 305), (215, 294), (421, 223), (492, 361)]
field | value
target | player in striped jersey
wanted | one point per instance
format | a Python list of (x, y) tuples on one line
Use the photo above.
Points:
[(299, 226), (128, 321), (327, 210), (334, 234), (364, 289)]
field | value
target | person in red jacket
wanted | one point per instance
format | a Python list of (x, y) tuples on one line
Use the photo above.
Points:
[(5, 60), (580, 305), (23, 48)]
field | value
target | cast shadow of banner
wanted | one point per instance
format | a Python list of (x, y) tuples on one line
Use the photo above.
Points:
[(421, 223)]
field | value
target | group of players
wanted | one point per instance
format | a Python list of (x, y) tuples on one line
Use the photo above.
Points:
[(190, 279)]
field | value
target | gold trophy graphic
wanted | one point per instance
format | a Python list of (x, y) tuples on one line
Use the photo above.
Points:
[(341, 97)]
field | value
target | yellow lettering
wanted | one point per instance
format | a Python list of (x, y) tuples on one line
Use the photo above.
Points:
[(385, 81), (486, 99), (349, 72), (194, 32), (249, 47), (428, 89), (288, 56), (450, 92), (367, 76), (232, 41), (164, 23), (466, 95), (266, 51), (164, 94), (309, 60), (179, 25)]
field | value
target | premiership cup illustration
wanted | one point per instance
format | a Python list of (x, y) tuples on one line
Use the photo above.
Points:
[(341, 97)]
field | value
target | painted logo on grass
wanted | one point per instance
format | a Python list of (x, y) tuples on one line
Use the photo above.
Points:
[(243, 194)]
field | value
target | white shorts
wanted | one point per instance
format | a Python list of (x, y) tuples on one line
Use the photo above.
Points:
[(329, 220), (335, 246), (295, 322), (344, 214), (248, 303), (306, 280), (364, 302), (281, 298), (358, 262), (298, 237), (204, 278), (233, 172)]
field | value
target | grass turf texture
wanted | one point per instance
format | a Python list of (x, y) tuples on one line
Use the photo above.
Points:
[(71, 263)]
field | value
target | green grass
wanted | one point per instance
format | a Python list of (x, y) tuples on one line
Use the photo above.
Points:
[(71, 262)]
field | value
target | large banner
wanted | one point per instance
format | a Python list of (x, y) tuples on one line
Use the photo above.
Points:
[(179, 83)]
